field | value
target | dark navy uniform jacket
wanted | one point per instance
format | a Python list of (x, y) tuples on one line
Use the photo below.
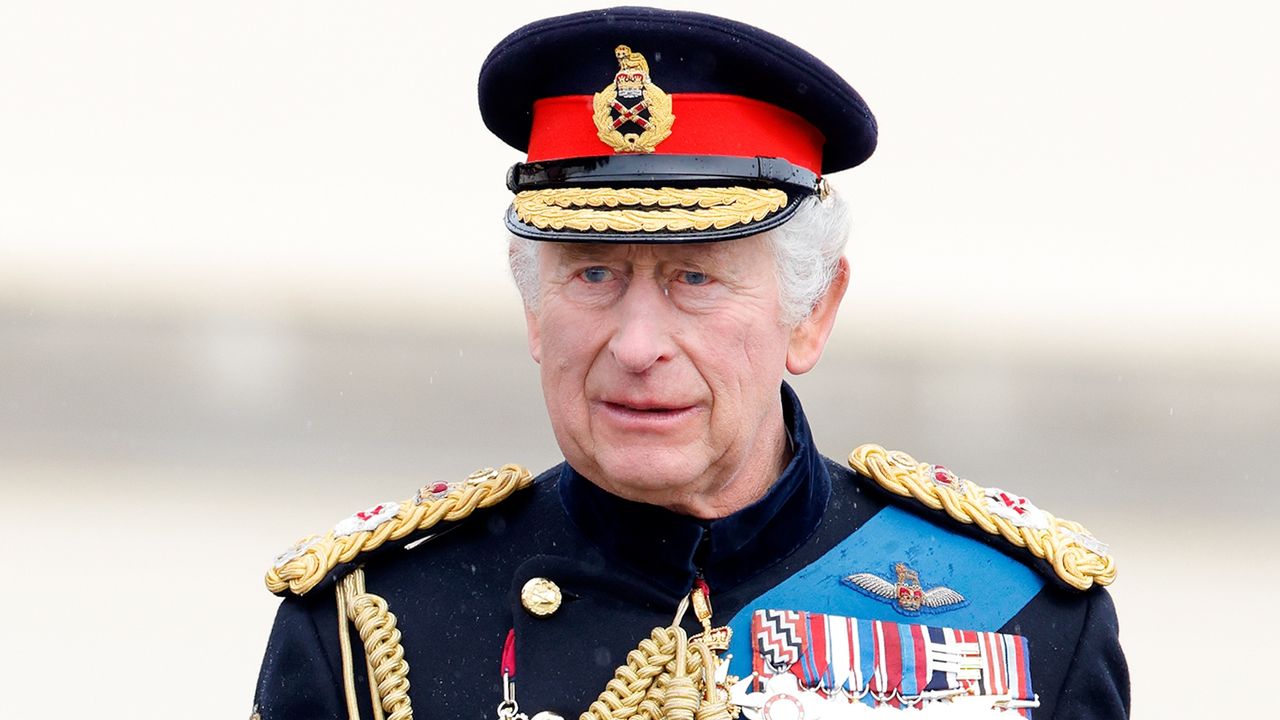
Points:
[(623, 567)]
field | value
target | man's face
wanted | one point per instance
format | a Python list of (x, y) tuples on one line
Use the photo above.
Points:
[(661, 366)]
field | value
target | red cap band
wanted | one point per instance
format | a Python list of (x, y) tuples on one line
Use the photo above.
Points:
[(705, 124)]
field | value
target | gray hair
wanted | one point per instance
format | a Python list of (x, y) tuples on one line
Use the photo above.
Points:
[(806, 253)]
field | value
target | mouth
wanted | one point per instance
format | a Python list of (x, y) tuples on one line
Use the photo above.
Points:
[(646, 409), (638, 415)]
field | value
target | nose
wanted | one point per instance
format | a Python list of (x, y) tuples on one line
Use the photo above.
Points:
[(643, 336)]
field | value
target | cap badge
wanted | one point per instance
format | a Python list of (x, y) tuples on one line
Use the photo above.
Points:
[(632, 115)]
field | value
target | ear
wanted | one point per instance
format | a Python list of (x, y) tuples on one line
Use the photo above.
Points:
[(810, 336), (535, 334)]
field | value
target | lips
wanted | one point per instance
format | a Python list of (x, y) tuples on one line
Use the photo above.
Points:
[(646, 407), (645, 415)]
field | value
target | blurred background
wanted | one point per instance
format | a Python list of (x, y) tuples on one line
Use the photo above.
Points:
[(252, 279)]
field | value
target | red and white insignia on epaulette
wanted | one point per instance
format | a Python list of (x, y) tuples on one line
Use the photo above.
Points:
[(436, 490), (1076, 556), (943, 477), (433, 491), (1016, 509), (367, 519)]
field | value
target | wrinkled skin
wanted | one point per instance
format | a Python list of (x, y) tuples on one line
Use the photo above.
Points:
[(661, 366)]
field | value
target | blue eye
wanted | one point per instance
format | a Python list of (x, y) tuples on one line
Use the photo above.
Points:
[(693, 277), (596, 274)]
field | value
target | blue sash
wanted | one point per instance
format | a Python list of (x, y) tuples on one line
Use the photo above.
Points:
[(995, 585)]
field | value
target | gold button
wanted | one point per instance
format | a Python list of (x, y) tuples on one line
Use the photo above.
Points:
[(540, 596)]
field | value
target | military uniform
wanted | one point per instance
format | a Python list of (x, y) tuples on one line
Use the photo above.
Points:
[(622, 568), (882, 582)]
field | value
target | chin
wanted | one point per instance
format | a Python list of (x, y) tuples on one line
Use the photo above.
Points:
[(645, 478)]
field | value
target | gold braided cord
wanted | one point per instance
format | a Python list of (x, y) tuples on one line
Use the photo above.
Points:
[(388, 670), (645, 209), (373, 691), (1061, 544), (344, 646), (642, 689), (323, 553)]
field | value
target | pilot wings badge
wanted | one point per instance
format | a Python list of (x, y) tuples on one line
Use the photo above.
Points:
[(632, 115), (906, 593)]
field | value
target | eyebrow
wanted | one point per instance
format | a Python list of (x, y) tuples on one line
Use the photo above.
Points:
[(574, 252), (578, 252)]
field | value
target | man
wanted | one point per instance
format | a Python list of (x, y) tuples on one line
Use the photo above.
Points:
[(678, 249)]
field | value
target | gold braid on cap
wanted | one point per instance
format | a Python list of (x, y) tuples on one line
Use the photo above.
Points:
[(1077, 557), (312, 558), (645, 209)]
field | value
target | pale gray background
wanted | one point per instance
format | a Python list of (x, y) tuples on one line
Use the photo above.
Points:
[(252, 279)]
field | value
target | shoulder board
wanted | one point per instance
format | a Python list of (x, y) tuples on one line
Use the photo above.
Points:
[(311, 559), (1075, 555)]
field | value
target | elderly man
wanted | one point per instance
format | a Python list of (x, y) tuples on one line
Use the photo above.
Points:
[(678, 250)]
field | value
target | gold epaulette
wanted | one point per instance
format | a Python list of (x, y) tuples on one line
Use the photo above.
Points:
[(1077, 557), (311, 559)]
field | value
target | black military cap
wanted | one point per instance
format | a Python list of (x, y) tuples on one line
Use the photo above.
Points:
[(647, 125)]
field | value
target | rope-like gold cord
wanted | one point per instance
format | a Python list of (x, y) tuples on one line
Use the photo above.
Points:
[(373, 691), (344, 645), (388, 670), (668, 677), (715, 700), (323, 553), (1063, 543), (639, 689), (634, 209)]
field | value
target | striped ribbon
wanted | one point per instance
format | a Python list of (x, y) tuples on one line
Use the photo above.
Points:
[(881, 662)]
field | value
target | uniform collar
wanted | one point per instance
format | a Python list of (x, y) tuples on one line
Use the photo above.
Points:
[(671, 548)]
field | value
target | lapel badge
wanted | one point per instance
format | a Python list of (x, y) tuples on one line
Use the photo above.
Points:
[(906, 593), (632, 115)]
